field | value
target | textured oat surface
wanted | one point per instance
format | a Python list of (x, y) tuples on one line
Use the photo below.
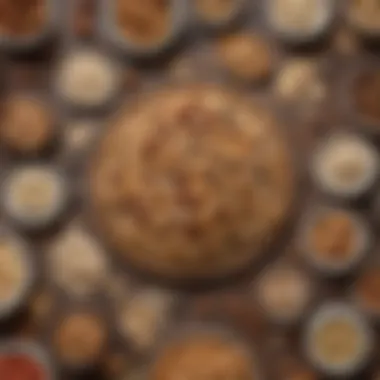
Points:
[(302, 121)]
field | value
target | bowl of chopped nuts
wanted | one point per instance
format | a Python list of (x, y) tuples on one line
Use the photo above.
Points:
[(27, 24), (143, 28), (334, 241)]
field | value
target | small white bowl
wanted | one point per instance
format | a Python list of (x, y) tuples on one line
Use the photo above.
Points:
[(297, 36), (332, 311), (30, 349), (110, 30), (325, 267), (10, 306), (327, 183), (26, 44), (44, 219)]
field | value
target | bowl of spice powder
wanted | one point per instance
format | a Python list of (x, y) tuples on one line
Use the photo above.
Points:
[(26, 24), (144, 27), (24, 360), (334, 241)]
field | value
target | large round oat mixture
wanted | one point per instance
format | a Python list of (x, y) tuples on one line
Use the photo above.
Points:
[(191, 182)]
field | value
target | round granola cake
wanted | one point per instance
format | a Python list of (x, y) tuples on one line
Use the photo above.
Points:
[(204, 357), (191, 182)]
